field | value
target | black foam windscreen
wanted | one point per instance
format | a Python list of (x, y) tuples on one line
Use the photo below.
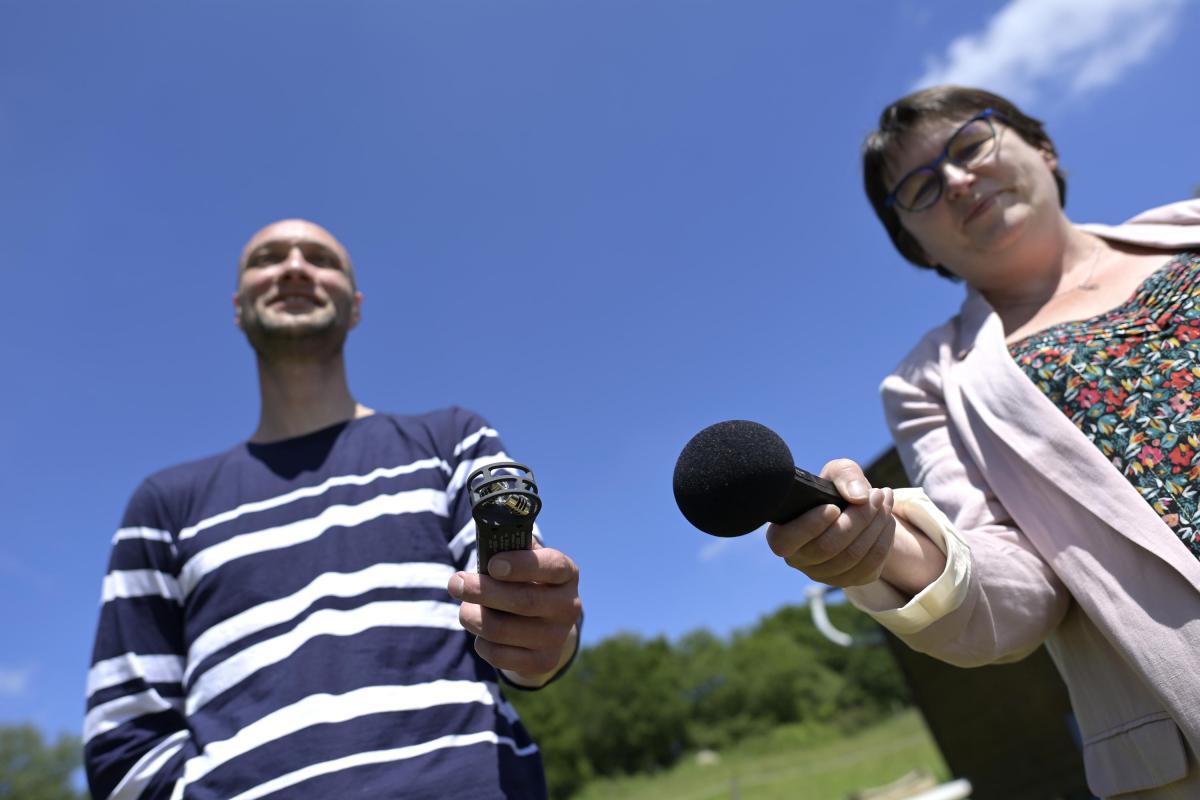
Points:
[(730, 477)]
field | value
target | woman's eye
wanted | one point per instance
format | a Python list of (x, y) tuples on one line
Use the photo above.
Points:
[(926, 192), (971, 145), (968, 151), (918, 190)]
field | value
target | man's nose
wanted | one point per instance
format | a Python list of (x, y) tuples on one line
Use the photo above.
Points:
[(295, 262)]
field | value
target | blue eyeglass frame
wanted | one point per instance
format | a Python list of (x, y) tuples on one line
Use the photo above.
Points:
[(932, 166)]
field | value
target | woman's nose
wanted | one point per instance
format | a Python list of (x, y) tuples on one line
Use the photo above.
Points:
[(958, 179)]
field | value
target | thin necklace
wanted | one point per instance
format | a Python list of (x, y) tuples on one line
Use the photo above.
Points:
[(1086, 285)]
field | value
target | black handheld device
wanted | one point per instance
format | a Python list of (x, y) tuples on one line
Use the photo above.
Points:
[(735, 476), (504, 504)]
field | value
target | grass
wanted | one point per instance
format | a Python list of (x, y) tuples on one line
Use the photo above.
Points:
[(787, 764)]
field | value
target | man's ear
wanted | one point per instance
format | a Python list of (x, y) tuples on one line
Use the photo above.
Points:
[(237, 312), (356, 316)]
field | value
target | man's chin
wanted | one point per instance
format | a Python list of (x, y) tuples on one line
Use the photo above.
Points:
[(296, 338), (297, 330), (313, 321)]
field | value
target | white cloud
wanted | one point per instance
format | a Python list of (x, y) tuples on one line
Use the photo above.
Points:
[(14, 682), (1060, 46), (713, 549), (756, 540)]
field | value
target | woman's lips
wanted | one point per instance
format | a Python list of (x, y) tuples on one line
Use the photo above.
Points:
[(982, 205)]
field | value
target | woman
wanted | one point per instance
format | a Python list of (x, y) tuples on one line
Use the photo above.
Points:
[(1054, 426)]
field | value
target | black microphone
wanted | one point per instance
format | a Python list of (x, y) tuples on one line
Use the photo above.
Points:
[(734, 476), (504, 504)]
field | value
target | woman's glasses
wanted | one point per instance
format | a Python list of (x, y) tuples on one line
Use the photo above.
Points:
[(970, 144)]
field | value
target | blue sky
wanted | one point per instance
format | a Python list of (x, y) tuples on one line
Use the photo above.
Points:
[(603, 225)]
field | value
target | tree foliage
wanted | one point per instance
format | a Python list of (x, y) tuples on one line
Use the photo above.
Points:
[(632, 704), (33, 769)]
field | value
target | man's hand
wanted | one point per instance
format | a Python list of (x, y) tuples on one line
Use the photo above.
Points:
[(524, 613), (841, 548)]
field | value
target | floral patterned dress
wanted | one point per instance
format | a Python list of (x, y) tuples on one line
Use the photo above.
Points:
[(1130, 380)]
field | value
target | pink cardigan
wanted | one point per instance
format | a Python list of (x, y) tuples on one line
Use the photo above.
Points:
[(1047, 542)]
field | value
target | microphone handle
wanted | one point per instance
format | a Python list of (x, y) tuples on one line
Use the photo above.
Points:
[(806, 493)]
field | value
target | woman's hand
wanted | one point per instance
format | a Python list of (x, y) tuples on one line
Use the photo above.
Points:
[(840, 547), (861, 544)]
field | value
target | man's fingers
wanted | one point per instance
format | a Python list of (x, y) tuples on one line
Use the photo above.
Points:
[(517, 659), (542, 564), (501, 627), (560, 603)]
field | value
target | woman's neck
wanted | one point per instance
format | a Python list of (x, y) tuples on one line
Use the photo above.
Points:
[(1042, 271)]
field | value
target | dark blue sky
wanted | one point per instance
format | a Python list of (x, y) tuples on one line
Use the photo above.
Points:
[(602, 225)]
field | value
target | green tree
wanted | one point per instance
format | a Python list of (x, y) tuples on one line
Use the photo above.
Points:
[(636, 714), (714, 692), (872, 684), (619, 710), (631, 704), (33, 769), (552, 715), (760, 679)]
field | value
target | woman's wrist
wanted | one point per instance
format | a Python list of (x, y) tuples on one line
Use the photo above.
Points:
[(914, 562)]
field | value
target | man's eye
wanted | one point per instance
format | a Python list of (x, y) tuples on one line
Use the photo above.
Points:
[(262, 258), (322, 257)]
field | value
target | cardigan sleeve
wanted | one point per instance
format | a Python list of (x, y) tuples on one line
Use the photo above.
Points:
[(997, 599)]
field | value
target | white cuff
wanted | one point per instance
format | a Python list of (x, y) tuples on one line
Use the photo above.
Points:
[(888, 606)]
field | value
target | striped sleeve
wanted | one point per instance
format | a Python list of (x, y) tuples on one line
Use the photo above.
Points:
[(478, 445), (475, 444), (135, 735)]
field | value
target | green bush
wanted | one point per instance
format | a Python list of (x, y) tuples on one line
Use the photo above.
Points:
[(634, 705)]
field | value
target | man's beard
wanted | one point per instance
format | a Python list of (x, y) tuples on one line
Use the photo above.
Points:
[(298, 340)]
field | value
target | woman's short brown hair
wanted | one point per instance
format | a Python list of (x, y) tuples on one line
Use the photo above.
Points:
[(937, 103)]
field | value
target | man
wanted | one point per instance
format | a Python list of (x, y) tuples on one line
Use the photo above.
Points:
[(275, 619)]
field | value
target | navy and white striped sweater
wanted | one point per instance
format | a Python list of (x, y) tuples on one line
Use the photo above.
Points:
[(275, 623)]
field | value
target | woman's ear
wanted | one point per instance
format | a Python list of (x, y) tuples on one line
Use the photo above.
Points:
[(1049, 156)]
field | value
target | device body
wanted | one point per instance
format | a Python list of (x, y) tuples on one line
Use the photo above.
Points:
[(504, 505)]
